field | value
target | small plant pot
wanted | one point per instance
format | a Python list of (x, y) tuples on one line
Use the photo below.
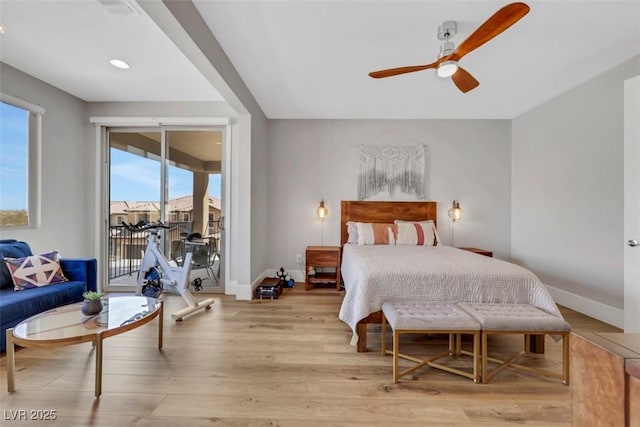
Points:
[(91, 307)]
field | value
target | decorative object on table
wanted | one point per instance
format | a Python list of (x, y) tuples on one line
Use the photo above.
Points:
[(455, 213), (92, 303), (392, 172)]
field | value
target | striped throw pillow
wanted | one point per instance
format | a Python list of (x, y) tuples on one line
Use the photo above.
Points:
[(425, 223), (370, 233), (415, 233)]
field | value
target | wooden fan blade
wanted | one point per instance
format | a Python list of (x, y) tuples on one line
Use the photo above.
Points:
[(402, 70), (464, 81), (496, 24)]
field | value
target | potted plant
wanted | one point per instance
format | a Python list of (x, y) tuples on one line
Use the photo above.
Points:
[(92, 303)]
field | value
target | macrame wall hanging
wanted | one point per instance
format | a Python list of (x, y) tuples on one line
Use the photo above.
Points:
[(392, 172)]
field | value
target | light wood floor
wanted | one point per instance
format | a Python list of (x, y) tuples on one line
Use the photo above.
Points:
[(286, 362)]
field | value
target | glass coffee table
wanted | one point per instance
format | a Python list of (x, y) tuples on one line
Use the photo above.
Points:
[(67, 325)]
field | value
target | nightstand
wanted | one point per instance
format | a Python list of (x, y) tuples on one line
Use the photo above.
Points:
[(325, 260), (479, 251)]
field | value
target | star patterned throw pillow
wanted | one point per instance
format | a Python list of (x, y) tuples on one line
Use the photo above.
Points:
[(35, 271)]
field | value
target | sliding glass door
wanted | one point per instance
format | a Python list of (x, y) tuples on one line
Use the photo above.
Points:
[(173, 175)]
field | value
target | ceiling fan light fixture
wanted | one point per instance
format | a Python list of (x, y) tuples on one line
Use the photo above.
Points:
[(447, 68)]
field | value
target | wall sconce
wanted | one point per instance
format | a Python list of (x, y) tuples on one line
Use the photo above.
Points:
[(322, 211), (322, 214), (455, 213)]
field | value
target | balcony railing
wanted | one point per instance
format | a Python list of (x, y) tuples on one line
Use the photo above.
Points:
[(126, 248)]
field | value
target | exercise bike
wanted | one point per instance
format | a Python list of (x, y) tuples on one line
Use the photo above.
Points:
[(157, 274)]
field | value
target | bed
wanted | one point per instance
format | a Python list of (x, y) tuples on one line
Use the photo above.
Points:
[(373, 274)]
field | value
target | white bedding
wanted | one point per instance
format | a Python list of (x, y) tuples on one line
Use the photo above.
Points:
[(374, 274)]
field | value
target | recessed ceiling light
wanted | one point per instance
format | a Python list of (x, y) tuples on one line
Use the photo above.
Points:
[(2, 28), (119, 63)]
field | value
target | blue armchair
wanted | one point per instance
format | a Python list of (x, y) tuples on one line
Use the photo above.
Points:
[(15, 306)]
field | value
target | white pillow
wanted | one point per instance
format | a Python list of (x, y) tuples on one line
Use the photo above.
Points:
[(352, 232), (426, 223)]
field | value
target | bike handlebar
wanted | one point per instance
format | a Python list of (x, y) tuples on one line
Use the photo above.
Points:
[(142, 225)]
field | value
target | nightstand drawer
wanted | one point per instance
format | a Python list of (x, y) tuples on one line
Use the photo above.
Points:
[(323, 259)]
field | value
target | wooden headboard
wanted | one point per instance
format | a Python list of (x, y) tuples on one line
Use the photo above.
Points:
[(385, 212)]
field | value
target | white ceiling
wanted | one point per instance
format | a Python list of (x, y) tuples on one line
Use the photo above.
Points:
[(68, 44), (310, 59)]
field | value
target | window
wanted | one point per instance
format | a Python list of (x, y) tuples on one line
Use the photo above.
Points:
[(19, 175)]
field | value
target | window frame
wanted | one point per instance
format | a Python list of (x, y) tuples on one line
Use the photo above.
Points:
[(34, 146)]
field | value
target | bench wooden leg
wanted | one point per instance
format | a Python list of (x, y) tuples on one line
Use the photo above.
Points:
[(515, 359), (383, 336), (396, 348), (536, 344), (565, 357), (485, 354)]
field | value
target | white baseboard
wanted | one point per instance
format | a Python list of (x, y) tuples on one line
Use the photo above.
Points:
[(245, 292), (597, 310)]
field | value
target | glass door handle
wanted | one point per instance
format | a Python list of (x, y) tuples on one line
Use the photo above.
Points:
[(633, 242)]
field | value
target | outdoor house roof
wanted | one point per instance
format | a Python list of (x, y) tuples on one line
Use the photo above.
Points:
[(180, 204)]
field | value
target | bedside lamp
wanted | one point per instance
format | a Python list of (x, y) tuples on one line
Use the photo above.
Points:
[(455, 213), (322, 214), (322, 211)]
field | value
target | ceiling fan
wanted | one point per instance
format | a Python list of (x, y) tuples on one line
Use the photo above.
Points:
[(447, 63)]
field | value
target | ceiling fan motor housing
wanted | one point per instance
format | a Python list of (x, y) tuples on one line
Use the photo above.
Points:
[(446, 48), (447, 30)]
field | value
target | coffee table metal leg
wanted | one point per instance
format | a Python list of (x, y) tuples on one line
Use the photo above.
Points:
[(11, 362), (98, 366), (160, 324)]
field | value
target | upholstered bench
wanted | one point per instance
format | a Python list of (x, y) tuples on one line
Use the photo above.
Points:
[(430, 318), (522, 319)]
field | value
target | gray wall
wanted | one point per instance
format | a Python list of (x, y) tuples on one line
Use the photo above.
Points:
[(67, 169), (260, 207), (567, 188), (314, 159)]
